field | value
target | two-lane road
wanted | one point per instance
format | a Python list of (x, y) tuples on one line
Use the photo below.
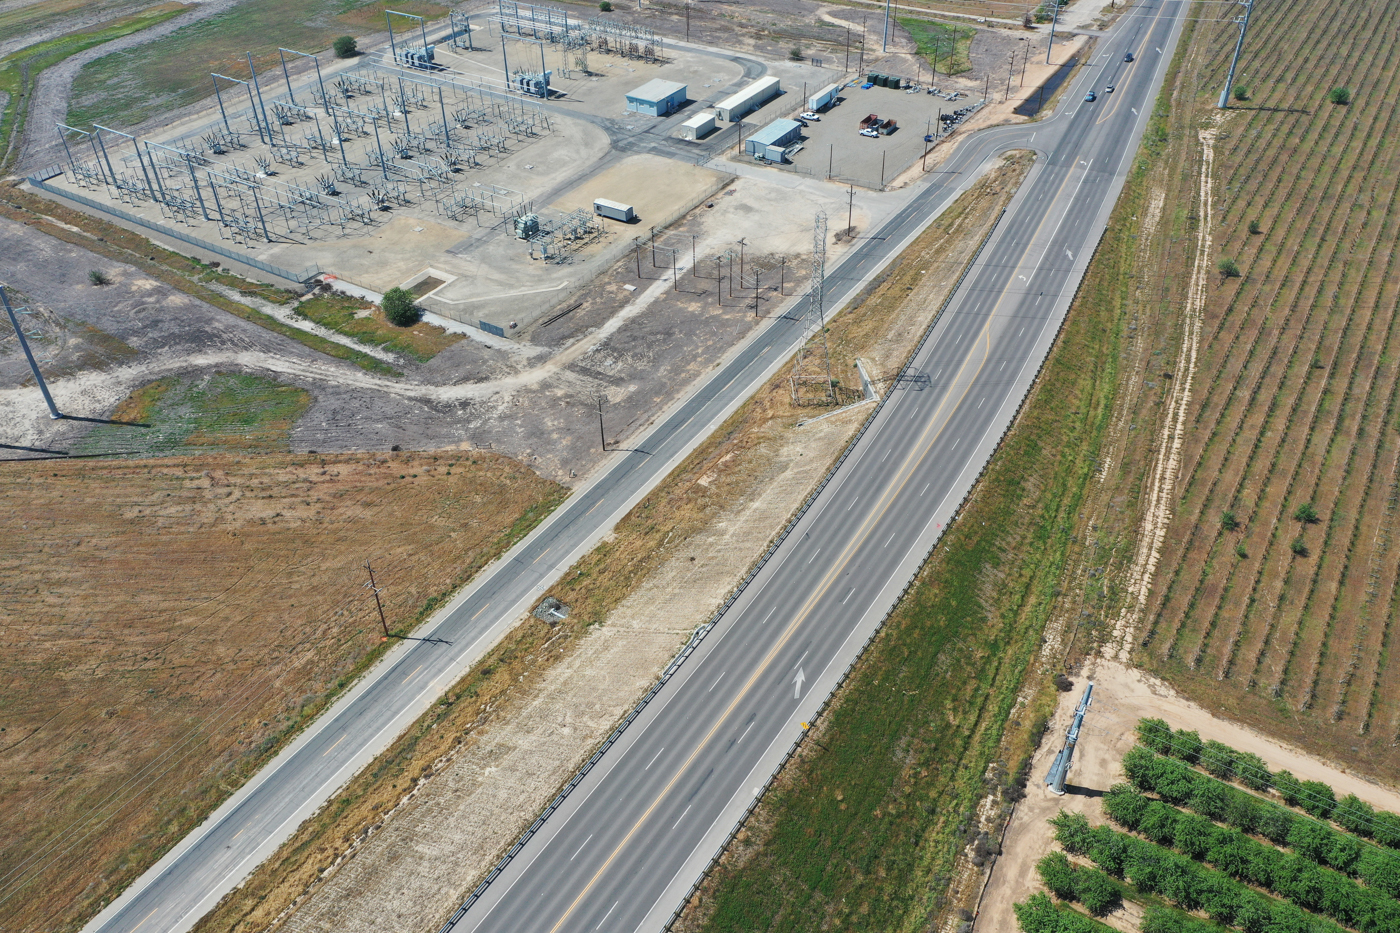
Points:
[(630, 840)]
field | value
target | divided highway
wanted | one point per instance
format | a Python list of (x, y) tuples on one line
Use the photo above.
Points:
[(623, 850)]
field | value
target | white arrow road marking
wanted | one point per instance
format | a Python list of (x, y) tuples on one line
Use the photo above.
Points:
[(797, 682), (1069, 254), (1134, 110)]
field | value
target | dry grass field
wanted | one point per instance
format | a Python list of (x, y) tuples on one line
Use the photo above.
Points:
[(1276, 593), (167, 623)]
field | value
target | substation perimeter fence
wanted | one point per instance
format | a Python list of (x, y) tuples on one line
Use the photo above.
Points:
[(300, 278), (704, 629)]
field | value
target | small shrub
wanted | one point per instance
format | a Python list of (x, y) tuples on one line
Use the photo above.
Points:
[(1228, 521), (1340, 95), (1254, 227), (399, 309), (1240, 552), (1063, 683), (97, 278), (345, 47), (605, 6), (1306, 513), (1241, 92), (795, 54), (1298, 547), (1229, 268)]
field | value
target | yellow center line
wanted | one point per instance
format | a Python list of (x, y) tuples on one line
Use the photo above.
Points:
[(480, 611), (542, 553), (332, 748), (1114, 109), (417, 669), (143, 920)]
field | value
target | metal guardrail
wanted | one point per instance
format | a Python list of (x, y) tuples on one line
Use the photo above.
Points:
[(699, 635), (300, 278)]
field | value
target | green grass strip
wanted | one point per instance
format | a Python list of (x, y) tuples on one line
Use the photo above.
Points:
[(20, 70)]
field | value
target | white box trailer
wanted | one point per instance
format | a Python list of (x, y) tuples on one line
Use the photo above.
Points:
[(736, 106), (825, 97), (697, 126), (614, 210)]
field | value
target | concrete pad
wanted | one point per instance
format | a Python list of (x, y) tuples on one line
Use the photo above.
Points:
[(656, 188), (396, 252)]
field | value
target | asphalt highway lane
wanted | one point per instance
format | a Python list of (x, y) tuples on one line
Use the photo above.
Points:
[(630, 840), (621, 853)]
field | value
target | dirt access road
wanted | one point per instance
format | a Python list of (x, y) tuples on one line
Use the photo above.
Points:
[(1122, 696)]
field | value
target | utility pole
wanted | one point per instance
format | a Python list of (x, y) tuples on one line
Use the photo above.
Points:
[(755, 294), (687, 20), (848, 49), (694, 266), (1025, 60), (860, 66), (54, 413), (850, 210), (379, 605), (637, 252), (882, 169), (653, 247), (885, 36), (1010, 70), (675, 277), (1053, 23), (830, 160), (1239, 44), (741, 258), (602, 438), (782, 275)]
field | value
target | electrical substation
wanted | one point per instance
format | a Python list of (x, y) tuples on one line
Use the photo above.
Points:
[(477, 147)]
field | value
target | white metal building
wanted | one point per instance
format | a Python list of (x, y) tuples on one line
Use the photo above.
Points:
[(697, 126), (736, 106), (770, 142), (657, 97)]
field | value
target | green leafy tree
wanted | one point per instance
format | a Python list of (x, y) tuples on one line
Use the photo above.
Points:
[(1140, 765), (1317, 798), (1385, 828), (1210, 798), (1344, 852), (1058, 875), (1275, 823), (1156, 735), (1310, 839), (1096, 891), (1125, 806), (1241, 92), (1380, 869), (1254, 227), (399, 308), (1194, 834), (1306, 514), (1354, 815), (1299, 547), (1253, 772), (1159, 823), (1072, 830), (1340, 95), (1228, 521), (345, 47), (1174, 781), (1186, 745), (1219, 759), (1228, 267), (605, 6)]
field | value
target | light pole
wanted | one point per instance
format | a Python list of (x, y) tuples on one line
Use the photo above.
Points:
[(1053, 22), (54, 413), (1239, 44)]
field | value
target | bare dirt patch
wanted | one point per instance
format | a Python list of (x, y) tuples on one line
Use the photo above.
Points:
[(193, 613)]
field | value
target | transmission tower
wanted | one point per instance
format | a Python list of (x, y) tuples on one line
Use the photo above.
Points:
[(811, 369), (1243, 23)]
